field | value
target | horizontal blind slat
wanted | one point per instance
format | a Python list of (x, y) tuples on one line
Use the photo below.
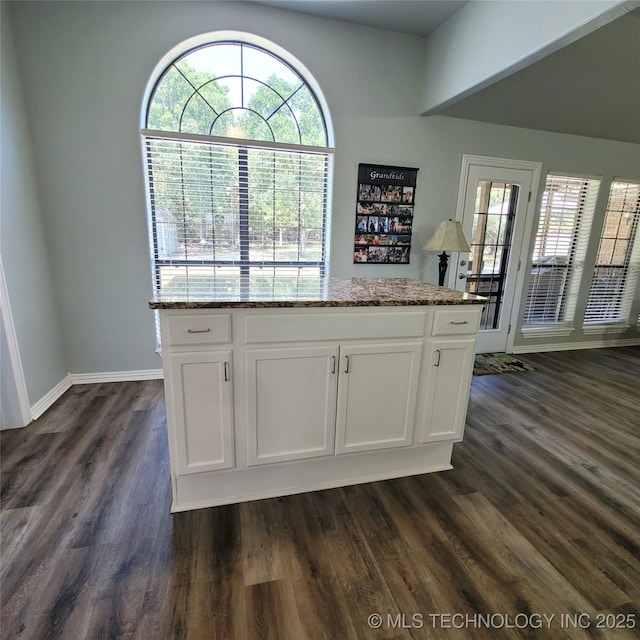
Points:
[(566, 211), (217, 204)]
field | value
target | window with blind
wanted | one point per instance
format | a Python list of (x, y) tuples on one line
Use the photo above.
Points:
[(615, 277), (238, 167), (566, 213)]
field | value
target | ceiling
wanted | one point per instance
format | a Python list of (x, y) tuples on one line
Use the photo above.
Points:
[(416, 17), (590, 87)]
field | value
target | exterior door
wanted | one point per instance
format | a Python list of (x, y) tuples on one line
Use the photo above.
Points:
[(495, 207)]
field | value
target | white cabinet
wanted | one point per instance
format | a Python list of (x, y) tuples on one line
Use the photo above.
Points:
[(307, 402), (199, 410), (270, 402), (377, 393), (291, 403), (450, 366)]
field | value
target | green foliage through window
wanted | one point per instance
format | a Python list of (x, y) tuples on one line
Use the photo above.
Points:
[(215, 203)]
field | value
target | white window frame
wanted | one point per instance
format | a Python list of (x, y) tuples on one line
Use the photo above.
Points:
[(619, 298), (306, 77), (565, 304)]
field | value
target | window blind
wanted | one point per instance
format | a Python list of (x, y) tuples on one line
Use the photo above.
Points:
[(617, 267), (561, 240), (220, 208)]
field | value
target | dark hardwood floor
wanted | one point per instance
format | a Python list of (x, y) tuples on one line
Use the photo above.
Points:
[(540, 517)]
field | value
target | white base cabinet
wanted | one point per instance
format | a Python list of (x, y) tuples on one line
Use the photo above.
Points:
[(200, 410), (377, 391), (291, 403), (450, 363), (267, 402)]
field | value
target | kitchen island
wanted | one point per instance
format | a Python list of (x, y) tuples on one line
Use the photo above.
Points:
[(284, 385)]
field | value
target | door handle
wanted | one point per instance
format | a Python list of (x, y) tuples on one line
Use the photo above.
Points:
[(199, 330), (226, 372), (347, 364), (461, 276), (437, 362), (333, 365)]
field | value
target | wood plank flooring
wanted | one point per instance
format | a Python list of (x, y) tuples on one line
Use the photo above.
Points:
[(540, 517)]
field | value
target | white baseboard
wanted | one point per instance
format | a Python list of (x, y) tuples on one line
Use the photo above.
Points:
[(571, 346), (90, 378), (48, 399), (116, 376)]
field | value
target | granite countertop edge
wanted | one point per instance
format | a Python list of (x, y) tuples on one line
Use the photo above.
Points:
[(333, 292), (212, 304)]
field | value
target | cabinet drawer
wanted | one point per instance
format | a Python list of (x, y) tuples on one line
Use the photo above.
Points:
[(195, 328), (447, 322)]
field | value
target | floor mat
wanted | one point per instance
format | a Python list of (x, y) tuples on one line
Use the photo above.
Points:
[(489, 363)]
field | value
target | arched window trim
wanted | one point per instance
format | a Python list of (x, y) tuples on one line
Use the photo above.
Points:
[(205, 39), (245, 147)]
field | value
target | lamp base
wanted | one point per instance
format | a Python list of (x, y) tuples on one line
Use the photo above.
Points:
[(442, 268)]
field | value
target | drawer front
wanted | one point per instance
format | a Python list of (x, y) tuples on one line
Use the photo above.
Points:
[(450, 322), (195, 328), (297, 327)]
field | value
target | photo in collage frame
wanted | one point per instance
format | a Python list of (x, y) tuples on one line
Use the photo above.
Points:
[(384, 214)]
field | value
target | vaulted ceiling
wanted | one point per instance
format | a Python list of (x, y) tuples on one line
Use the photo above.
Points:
[(590, 87)]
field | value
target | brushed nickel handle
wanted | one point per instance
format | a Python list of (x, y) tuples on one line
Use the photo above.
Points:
[(462, 322), (437, 363), (347, 368), (199, 330)]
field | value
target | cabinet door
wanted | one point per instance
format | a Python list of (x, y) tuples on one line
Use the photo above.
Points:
[(291, 403), (200, 412), (449, 382), (377, 394)]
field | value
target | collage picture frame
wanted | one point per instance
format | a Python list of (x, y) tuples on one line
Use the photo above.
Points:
[(384, 214)]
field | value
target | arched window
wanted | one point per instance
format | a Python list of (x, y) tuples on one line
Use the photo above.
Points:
[(238, 161)]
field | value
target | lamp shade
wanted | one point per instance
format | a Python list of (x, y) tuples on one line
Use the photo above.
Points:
[(448, 237)]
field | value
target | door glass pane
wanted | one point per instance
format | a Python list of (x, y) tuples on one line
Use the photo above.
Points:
[(490, 242)]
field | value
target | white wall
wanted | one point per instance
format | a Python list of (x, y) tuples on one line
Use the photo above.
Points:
[(488, 40), (85, 66), (558, 153), (23, 242)]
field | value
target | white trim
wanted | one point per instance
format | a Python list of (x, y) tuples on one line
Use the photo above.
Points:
[(14, 360), (49, 398), (116, 376), (556, 330), (603, 327), (155, 134), (72, 379), (247, 38), (572, 346), (501, 163), (535, 170)]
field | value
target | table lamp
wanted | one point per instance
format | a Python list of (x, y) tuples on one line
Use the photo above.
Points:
[(448, 237)]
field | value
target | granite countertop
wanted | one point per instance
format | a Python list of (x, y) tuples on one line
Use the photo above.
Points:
[(307, 291)]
